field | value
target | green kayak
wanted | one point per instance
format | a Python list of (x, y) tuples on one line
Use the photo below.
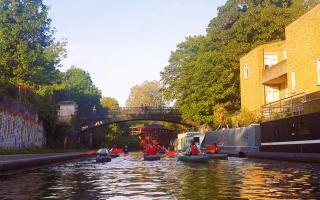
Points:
[(218, 156), (193, 159)]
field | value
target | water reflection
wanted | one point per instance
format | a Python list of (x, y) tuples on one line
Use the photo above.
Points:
[(132, 178)]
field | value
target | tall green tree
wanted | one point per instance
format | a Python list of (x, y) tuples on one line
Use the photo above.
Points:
[(203, 72), (29, 54), (149, 93), (80, 88)]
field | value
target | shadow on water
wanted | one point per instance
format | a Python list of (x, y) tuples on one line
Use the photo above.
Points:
[(132, 178)]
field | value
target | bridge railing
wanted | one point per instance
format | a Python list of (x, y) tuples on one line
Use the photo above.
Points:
[(143, 111)]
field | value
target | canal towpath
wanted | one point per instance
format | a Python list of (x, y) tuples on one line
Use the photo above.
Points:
[(22, 161)]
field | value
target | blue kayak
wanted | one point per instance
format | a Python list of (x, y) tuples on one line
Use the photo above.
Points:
[(193, 159)]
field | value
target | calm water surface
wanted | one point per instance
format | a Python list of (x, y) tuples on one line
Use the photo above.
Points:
[(132, 178)]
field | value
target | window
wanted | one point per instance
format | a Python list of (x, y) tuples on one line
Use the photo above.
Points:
[(246, 71), (272, 93), (270, 59), (318, 70), (293, 81), (284, 55)]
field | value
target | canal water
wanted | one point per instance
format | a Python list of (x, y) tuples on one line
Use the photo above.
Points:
[(132, 178)]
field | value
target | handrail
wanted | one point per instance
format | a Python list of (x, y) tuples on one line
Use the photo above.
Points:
[(289, 105), (286, 98)]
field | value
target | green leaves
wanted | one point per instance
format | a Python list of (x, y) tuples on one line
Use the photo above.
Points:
[(109, 103), (79, 87), (149, 93), (203, 72), (28, 53)]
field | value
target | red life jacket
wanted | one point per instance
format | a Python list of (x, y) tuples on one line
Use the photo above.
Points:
[(194, 150), (152, 151)]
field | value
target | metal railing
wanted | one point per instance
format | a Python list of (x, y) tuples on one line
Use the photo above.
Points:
[(131, 113), (127, 111), (290, 106)]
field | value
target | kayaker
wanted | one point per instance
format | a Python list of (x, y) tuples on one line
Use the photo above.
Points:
[(152, 150), (103, 151), (194, 151), (126, 149), (213, 149), (114, 150)]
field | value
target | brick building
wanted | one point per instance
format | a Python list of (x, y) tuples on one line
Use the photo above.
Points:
[(283, 69)]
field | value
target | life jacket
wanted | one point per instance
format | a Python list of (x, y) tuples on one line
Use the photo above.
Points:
[(194, 150), (151, 151), (212, 149), (114, 150)]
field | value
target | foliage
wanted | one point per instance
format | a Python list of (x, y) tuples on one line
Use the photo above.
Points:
[(204, 70), (79, 87), (132, 141), (148, 93), (221, 116), (245, 118), (112, 135), (109, 103), (28, 53)]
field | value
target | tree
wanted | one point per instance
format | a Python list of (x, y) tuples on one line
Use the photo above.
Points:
[(113, 134), (203, 72), (80, 88), (28, 53), (149, 93), (109, 103)]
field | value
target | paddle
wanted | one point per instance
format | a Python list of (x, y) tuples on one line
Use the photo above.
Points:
[(91, 152)]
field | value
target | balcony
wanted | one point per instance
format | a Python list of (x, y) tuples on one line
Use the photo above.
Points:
[(276, 74)]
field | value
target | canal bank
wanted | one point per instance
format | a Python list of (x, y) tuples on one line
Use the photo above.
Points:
[(23, 161), (248, 142)]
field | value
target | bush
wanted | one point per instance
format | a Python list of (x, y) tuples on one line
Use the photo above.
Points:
[(245, 118)]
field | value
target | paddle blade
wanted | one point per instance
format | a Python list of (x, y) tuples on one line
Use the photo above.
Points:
[(91, 152)]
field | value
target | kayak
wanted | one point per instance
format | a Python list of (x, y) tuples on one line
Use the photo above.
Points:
[(114, 155), (151, 158), (218, 156), (171, 154), (193, 159), (103, 158)]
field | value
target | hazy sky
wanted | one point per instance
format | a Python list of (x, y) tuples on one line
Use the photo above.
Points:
[(122, 43)]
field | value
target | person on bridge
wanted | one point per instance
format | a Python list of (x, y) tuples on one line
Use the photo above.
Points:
[(103, 150)]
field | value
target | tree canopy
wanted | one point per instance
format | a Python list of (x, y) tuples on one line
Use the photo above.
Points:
[(79, 87), (203, 72), (29, 54), (149, 93), (109, 103)]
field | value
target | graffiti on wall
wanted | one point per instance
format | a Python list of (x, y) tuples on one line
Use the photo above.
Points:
[(20, 130)]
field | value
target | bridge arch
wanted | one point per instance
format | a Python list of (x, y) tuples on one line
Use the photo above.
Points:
[(128, 114)]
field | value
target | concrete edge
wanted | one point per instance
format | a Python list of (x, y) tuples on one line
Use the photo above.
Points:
[(282, 156), (27, 163)]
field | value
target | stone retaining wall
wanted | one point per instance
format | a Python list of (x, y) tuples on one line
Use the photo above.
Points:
[(19, 126)]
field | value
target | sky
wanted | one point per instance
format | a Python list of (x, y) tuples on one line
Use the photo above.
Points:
[(122, 43)]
